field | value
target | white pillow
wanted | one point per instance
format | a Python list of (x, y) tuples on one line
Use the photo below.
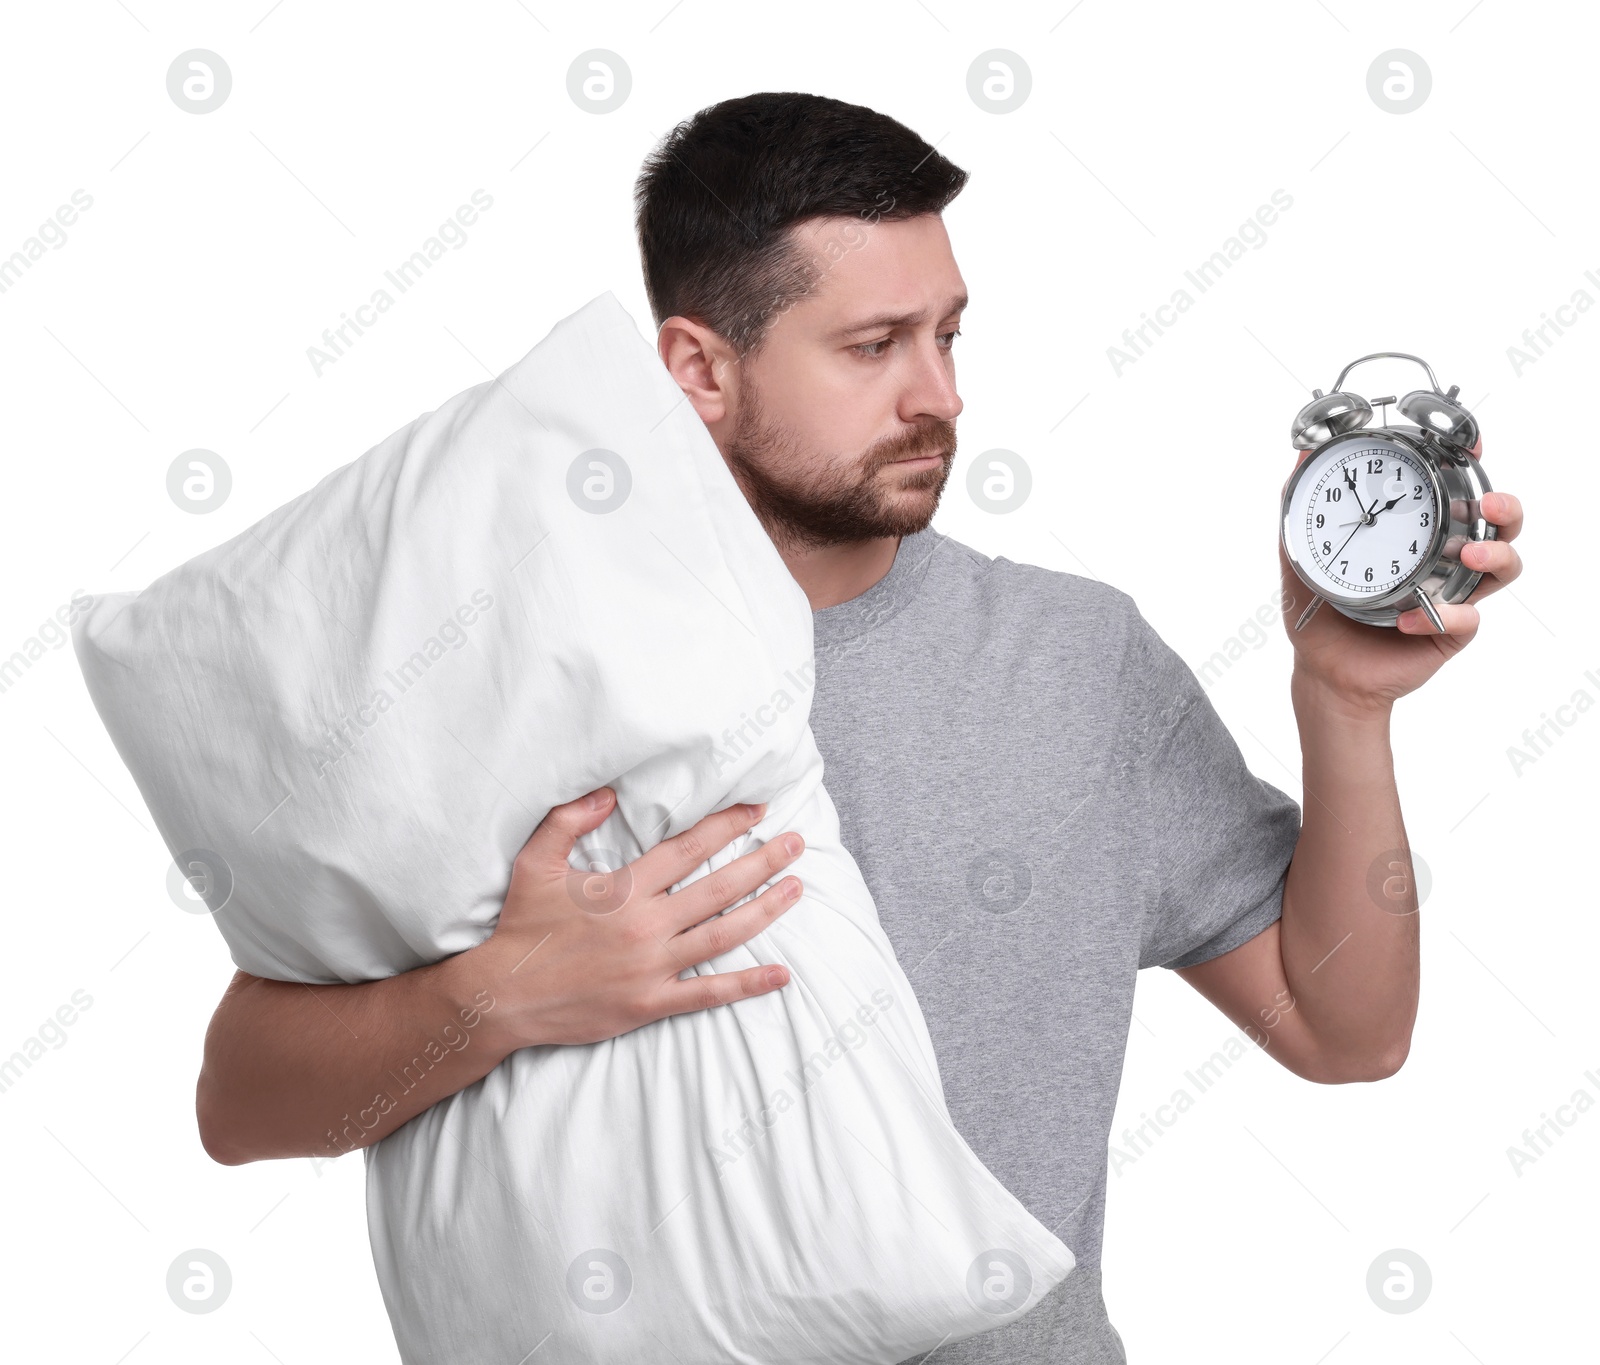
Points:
[(353, 714)]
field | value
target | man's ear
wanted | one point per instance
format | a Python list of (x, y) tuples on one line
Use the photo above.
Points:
[(702, 365)]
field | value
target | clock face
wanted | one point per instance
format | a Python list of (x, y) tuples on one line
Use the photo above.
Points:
[(1362, 519)]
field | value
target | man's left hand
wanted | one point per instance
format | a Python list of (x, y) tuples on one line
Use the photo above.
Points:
[(1369, 667)]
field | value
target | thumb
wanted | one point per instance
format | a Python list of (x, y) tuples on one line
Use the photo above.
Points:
[(552, 839)]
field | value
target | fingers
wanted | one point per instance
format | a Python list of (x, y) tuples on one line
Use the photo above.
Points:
[(673, 859), (720, 988), (722, 932), (554, 836), (1460, 621), (716, 891), (1505, 511), (1498, 562)]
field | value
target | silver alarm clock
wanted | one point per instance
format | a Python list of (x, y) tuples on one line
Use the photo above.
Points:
[(1374, 518)]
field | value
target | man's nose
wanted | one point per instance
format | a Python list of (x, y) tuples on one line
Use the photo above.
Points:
[(930, 387)]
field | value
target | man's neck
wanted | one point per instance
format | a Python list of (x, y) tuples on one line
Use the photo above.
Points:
[(831, 574)]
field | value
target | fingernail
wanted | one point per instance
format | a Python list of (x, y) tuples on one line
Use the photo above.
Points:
[(774, 976), (594, 800), (791, 889), (756, 809), (791, 844)]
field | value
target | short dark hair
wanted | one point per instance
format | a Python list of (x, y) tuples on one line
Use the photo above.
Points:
[(718, 196)]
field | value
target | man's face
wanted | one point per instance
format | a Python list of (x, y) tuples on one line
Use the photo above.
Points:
[(842, 427)]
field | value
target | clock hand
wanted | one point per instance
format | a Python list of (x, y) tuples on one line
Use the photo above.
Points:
[(1347, 540), (1350, 479)]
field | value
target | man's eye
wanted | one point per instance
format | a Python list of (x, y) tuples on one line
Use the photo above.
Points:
[(872, 350)]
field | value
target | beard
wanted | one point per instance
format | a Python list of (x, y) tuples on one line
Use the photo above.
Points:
[(856, 502)]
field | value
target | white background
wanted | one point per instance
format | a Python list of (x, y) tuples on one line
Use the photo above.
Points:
[(178, 313)]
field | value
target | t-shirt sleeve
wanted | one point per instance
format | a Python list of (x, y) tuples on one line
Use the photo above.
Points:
[(1219, 838)]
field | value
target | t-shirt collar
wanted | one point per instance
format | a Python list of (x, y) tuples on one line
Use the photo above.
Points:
[(848, 620)]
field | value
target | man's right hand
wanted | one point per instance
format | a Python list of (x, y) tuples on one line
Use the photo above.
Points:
[(300, 1070), (578, 957)]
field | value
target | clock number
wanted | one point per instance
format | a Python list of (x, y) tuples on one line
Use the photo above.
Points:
[(1332, 494), (1344, 566), (1320, 520), (1369, 573), (1394, 566), (1424, 519), (1374, 466), (1416, 492), (1413, 547), (1327, 547)]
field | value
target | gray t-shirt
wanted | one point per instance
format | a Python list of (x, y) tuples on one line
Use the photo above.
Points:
[(1042, 801)]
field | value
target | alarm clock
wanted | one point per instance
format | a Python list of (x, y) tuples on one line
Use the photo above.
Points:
[(1374, 517)]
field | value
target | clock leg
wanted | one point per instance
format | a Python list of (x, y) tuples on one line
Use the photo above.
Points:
[(1311, 610), (1429, 610)]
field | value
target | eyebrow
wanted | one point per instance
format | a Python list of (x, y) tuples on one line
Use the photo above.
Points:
[(882, 320)]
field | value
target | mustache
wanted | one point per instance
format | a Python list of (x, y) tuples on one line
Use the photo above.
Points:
[(937, 438)]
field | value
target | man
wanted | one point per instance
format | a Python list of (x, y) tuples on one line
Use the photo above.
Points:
[(1038, 792)]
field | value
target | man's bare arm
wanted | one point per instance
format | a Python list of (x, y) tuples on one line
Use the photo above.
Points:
[(294, 1070), (299, 1070), (1331, 989)]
